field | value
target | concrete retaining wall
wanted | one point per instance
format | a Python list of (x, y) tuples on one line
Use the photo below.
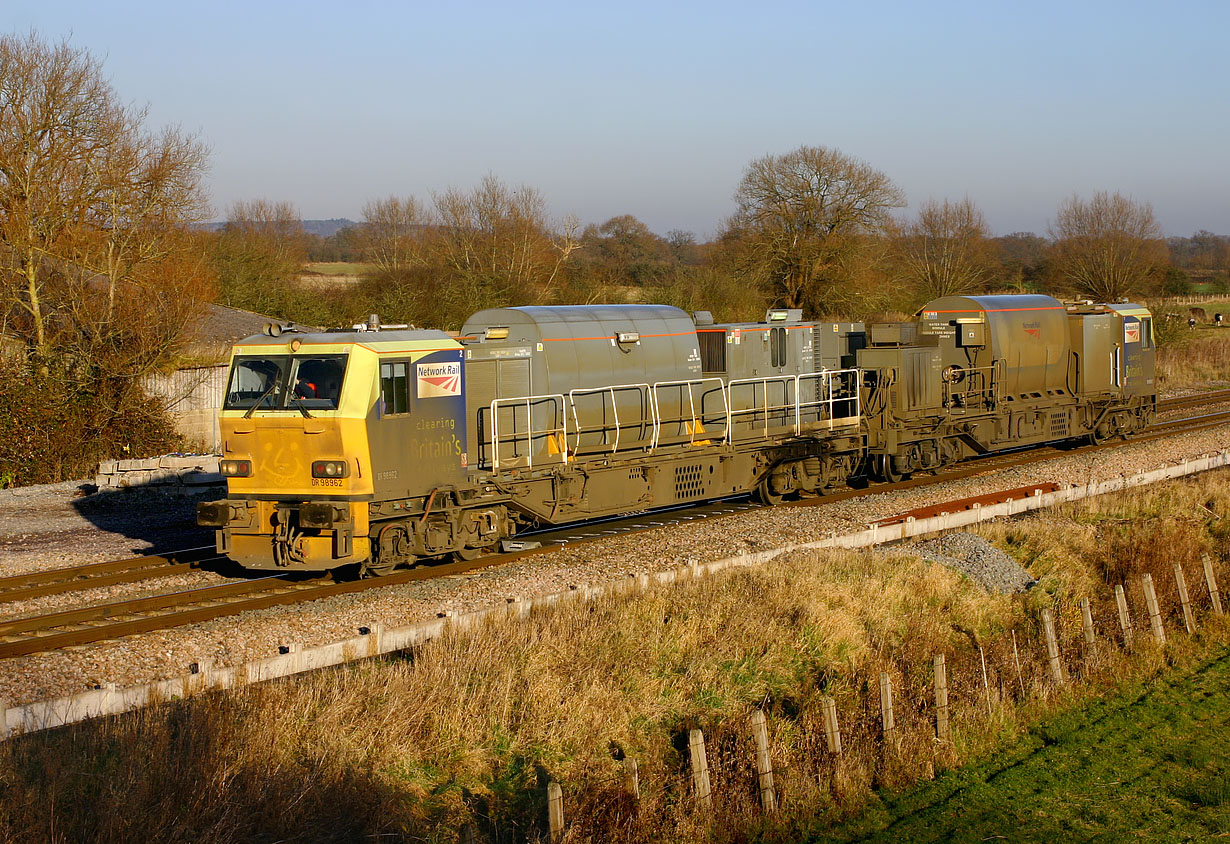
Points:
[(43, 715), (193, 396), (184, 474)]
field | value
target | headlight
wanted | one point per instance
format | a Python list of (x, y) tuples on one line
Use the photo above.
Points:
[(235, 468), (330, 469)]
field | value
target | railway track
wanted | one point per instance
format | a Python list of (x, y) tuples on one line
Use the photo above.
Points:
[(76, 627), (22, 587), (1194, 400)]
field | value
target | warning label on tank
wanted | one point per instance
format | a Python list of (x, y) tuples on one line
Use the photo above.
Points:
[(438, 379)]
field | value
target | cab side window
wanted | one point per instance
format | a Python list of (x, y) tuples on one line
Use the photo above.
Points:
[(395, 387), (777, 344)]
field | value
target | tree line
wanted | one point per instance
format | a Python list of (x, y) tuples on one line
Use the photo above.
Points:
[(106, 266), (813, 228)]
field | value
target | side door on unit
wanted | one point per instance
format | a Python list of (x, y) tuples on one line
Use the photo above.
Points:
[(1135, 345)]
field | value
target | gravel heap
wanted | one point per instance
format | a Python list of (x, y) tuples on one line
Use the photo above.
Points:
[(977, 559)]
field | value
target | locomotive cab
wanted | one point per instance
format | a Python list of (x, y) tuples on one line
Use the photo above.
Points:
[(304, 420)]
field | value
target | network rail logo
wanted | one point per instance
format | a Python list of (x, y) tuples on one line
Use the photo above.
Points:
[(436, 380)]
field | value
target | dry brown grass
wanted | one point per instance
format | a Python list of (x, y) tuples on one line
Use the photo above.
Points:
[(470, 728), (1195, 359)]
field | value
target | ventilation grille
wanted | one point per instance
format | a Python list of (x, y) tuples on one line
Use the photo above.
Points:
[(1059, 425), (636, 473), (712, 350), (689, 481)]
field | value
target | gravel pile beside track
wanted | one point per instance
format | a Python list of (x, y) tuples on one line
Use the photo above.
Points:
[(977, 559), (42, 529)]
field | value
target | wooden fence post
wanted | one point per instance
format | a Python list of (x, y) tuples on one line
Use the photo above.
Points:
[(1189, 619), (986, 684), (1125, 619), (555, 810), (1052, 646), (886, 707), (764, 762), (632, 777), (4, 719), (468, 836), (832, 732), (1210, 580), (700, 766), (1016, 658), (1155, 614), (941, 699), (1087, 629)]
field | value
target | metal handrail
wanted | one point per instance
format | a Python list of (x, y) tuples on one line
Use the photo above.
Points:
[(689, 383), (530, 433), (827, 377), (577, 428), (987, 378), (793, 406), (786, 380)]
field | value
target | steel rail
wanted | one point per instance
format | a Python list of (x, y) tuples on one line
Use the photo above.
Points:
[(118, 628), (1194, 400), (21, 587)]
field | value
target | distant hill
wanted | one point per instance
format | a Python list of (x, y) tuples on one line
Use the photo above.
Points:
[(324, 228), (327, 228)]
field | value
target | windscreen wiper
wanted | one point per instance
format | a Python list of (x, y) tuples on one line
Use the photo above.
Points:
[(272, 386)]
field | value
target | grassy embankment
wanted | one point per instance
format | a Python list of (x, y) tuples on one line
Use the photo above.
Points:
[(1150, 762), (470, 728), (1194, 359)]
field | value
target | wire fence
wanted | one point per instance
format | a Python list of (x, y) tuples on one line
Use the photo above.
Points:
[(902, 716)]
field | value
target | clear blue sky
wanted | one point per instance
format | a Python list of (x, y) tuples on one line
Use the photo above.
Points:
[(655, 109)]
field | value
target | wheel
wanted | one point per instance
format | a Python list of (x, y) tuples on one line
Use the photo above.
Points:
[(888, 472), (371, 568), (468, 554), (1100, 434), (765, 494)]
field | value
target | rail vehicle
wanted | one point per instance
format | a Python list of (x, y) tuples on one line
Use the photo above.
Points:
[(382, 446)]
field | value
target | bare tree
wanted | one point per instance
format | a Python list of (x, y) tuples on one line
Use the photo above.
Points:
[(100, 272), (496, 243), (269, 227), (803, 219), (1109, 246), (258, 253), (944, 251), (89, 200), (394, 233)]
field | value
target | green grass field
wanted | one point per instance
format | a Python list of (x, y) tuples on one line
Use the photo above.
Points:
[(1149, 764), (338, 268)]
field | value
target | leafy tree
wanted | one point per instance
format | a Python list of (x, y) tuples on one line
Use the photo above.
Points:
[(1108, 247), (802, 224), (1175, 282), (728, 297)]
